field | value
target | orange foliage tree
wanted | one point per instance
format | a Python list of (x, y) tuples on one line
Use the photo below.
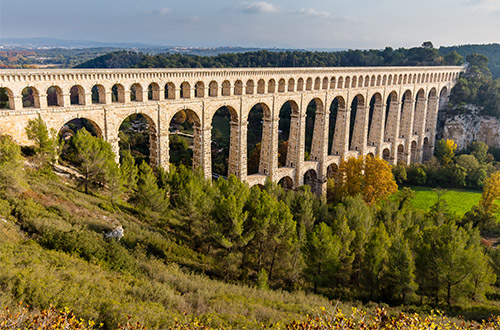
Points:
[(367, 176), (491, 192)]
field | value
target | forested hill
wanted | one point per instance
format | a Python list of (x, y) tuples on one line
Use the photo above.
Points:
[(491, 51), (387, 57)]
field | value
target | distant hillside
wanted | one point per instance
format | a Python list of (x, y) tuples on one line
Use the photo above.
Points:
[(388, 57), (492, 51)]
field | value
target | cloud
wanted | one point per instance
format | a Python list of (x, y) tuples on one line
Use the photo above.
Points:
[(314, 13), (258, 7), (488, 6), (160, 11)]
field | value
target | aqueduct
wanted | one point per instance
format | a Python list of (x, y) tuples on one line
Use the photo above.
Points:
[(390, 112)]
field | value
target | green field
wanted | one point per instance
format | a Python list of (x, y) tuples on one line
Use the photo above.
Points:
[(459, 200)]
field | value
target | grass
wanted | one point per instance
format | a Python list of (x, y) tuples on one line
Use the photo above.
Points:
[(460, 201)]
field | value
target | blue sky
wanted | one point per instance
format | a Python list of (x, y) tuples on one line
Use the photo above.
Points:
[(272, 23)]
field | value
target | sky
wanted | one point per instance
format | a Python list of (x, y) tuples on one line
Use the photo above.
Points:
[(354, 24)]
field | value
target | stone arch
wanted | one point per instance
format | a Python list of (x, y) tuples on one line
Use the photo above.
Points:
[(259, 139), (432, 108), (139, 125), (118, 93), (419, 76), (300, 85), (311, 180), (347, 82), (185, 91), (325, 83), (404, 78), (367, 81), (261, 87), (356, 131), (313, 130), (386, 155), (401, 154), (384, 80), (77, 95), (286, 183), (389, 80), (6, 98), (136, 93), (98, 94), (271, 86), (199, 89), (419, 115), (153, 92), (333, 83), (317, 83), (375, 115), (288, 133), (169, 91), (213, 88), (379, 80), (238, 87), (391, 113), (360, 81), (400, 79), (309, 83), (291, 85), (406, 114), (336, 126), (250, 87), (54, 96), (373, 81), (226, 88), (427, 149), (332, 171), (414, 152), (70, 127), (340, 83), (281, 85), (185, 127), (354, 82), (224, 142)]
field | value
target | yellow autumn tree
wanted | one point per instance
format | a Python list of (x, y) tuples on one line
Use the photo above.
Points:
[(445, 150), (491, 192), (368, 176)]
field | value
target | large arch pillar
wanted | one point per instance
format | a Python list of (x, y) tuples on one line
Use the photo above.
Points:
[(376, 136), (432, 111), (360, 132), (273, 156), (419, 125), (66, 100), (323, 147), (202, 156), (234, 149), (18, 102), (42, 101), (392, 128), (300, 143), (340, 144), (406, 127)]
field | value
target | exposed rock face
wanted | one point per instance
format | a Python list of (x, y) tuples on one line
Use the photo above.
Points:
[(465, 128)]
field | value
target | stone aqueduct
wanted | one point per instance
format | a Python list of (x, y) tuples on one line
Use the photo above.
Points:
[(393, 109)]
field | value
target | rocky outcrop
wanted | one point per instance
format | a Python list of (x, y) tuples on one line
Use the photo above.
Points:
[(465, 128)]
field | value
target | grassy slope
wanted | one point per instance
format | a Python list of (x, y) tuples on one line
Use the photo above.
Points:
[(459, 200), (147, 275)]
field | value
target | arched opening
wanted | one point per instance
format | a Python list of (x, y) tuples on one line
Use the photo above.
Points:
[(286, 183), (333, 83), (354, 82), (271, 86), (31, 97), (199, 89), (117, 94), (332, 171), (309, 83), (367, 81), (427, 150), (379, 80), (317, 83), (238, 87), (6, 98), (281, 85), (136, 93), (224, 155), (69, 129), (258, 139), (137, 134), (405, 116), (226, 88), (288, 117), (360, 81), (300, 85), (347, 82), (54, 96), (169, 91), (261, 87), (389, 80), (413, 151), (77, 95), (356, 122), (98, 94), (401, 154), (291, 85), (384, 80), (335, 126), (153, 92), (386, 155), (311, 179), (419, 115), (391, 113), (212, 89), (185, 90), (325, 83), (312, 134), (375, 119), (340, 83), (432, 108), (185, 139), (250, 87)]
